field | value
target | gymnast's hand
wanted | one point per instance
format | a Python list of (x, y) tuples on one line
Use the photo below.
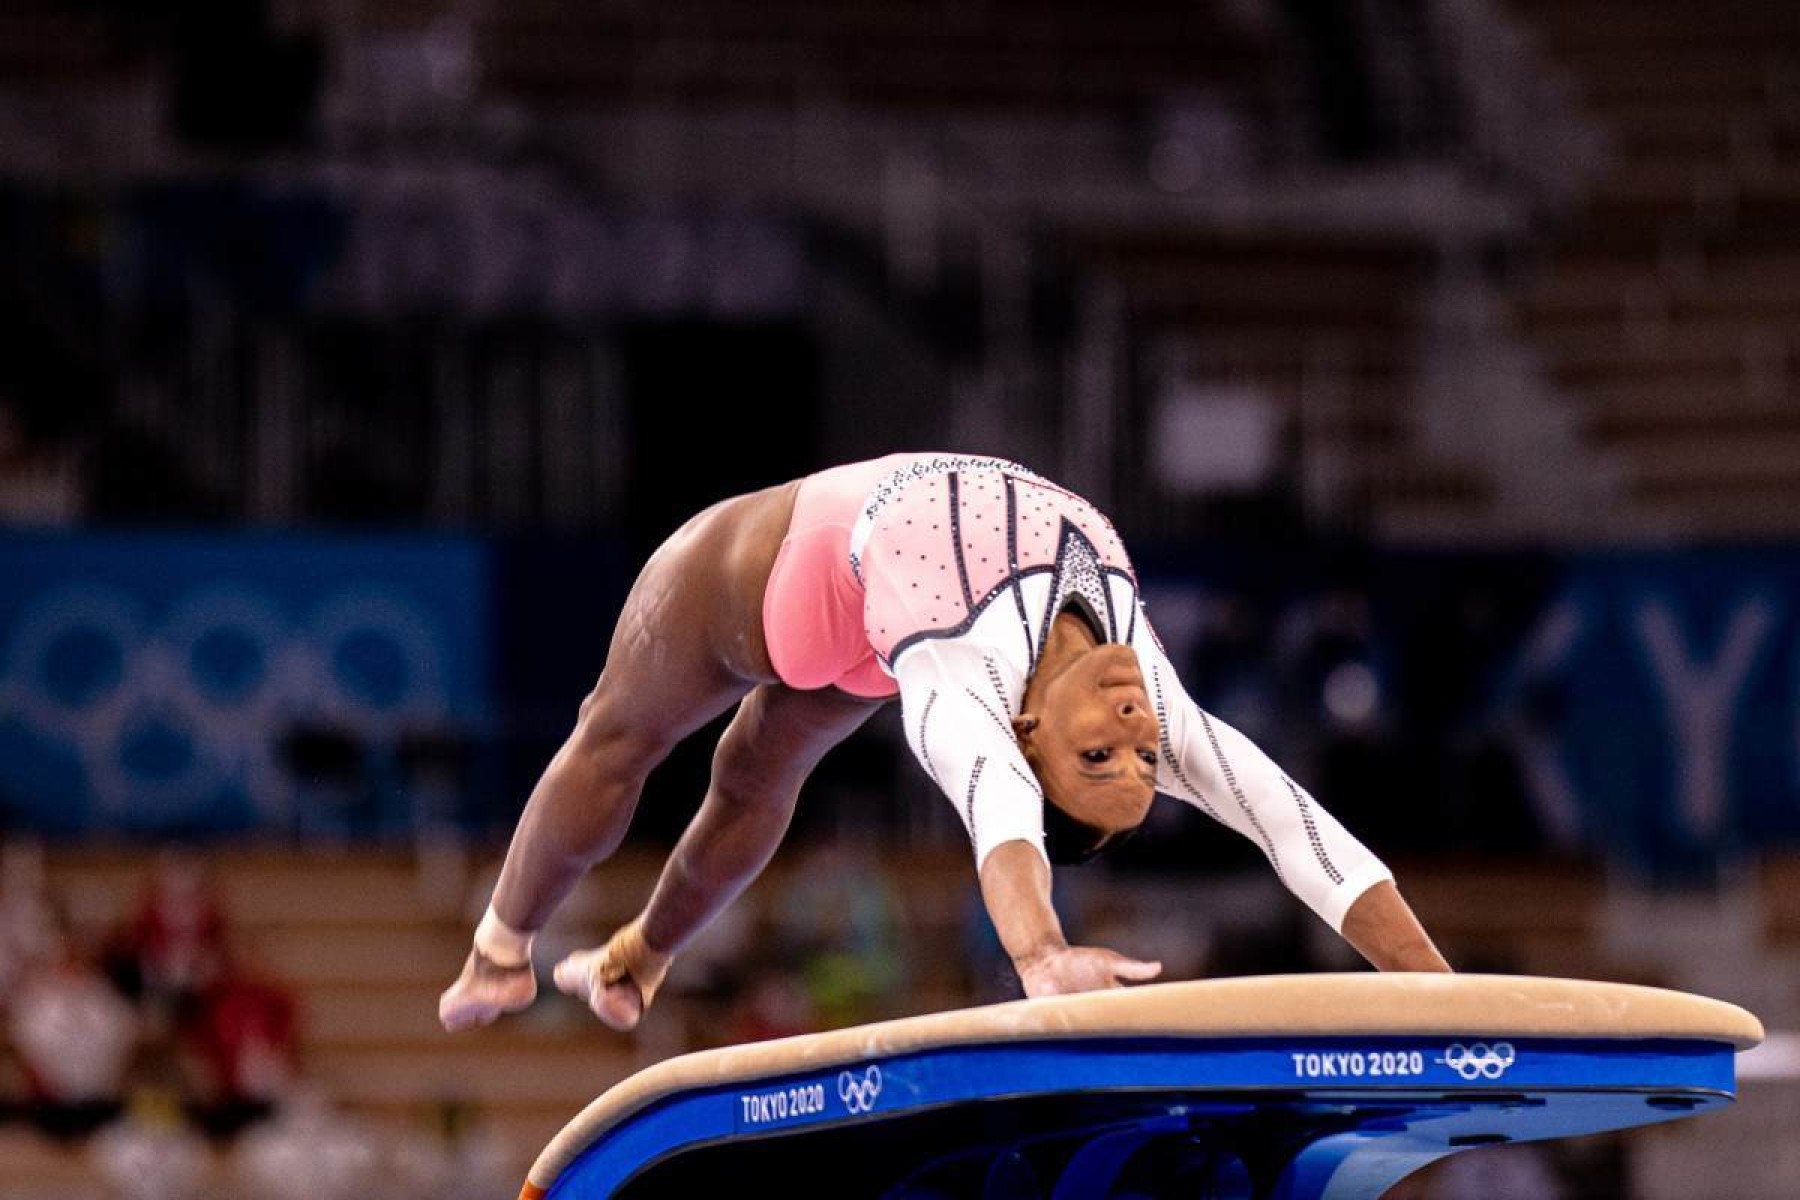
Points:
[(618, 980), (483, 991), (1064, 969)]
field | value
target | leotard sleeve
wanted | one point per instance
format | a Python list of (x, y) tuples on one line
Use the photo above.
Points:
[(957, 702), (1218, 770)]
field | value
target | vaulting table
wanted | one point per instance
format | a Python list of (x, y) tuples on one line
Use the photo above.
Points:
[(1300, 1087)]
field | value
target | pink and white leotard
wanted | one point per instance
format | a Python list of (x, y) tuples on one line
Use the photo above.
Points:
[(937, 577)]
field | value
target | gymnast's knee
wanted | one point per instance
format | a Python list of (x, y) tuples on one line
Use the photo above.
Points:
[(747, 780), (625, 745)]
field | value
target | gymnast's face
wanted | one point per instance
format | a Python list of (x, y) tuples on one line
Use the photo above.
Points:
[(1091, 737)]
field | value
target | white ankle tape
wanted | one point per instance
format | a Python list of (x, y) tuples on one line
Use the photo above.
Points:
[(500, 943)]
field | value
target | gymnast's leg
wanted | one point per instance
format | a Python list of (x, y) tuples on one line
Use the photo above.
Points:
[(765, 755), (687, 644)]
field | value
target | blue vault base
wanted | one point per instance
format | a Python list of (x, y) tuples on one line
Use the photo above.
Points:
[(1295, 1087), (1290, 1118)]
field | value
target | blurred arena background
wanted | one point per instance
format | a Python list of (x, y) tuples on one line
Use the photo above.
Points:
[(1439, 358)]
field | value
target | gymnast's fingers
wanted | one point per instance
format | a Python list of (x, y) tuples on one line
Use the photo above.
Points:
[(1134, 970)]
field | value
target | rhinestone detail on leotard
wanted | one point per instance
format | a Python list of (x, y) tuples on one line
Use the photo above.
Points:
[(891, 485)]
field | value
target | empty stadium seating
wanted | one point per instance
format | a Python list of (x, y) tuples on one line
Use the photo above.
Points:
[(1668, 307)]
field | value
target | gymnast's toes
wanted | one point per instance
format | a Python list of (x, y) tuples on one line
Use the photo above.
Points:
[(592, 977), (483, 992)]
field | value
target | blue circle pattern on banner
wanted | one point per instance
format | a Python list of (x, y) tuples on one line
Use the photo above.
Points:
[(165, 716)]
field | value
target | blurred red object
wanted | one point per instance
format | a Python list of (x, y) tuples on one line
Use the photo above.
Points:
[(240, 1040), (174, 945)]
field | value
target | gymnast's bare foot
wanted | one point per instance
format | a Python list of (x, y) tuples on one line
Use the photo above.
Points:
[(483, 991), (618, 980)]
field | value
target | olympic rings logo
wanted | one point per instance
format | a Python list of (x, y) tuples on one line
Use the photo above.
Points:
[(161, 710), (1480, 1060), (859, 1094)]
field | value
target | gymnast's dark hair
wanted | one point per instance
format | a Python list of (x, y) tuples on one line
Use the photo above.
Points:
[(1068, 842)]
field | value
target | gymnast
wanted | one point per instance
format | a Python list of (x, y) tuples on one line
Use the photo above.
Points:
[(1003, 612)]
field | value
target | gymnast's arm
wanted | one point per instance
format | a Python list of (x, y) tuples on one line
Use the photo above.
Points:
[(958, 728), (1382, 927), (1212, 766), (1015, 886)]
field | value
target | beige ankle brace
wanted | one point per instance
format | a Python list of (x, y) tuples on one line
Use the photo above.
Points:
[(500, 943)]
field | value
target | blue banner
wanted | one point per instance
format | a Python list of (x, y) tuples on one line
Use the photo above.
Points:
[(1643, 707), (152, 683), (1665, 693)]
